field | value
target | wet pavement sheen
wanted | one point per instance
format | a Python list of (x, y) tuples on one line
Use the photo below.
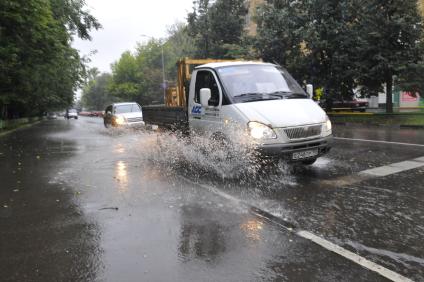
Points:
[(82, 203)]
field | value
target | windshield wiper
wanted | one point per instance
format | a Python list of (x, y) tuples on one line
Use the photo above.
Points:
[(288, 94), (250, 94), (256, 96)]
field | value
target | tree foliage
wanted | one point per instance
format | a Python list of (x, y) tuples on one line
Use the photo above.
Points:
[(340, 45), (39, 68), (96, 94), (138, 76), (315, 40), (217, 28), (390, 44)]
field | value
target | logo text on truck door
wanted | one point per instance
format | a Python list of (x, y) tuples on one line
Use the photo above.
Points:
[(196, 110)]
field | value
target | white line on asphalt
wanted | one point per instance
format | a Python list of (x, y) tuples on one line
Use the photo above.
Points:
[(353, 257), (394, 168), (387, 273), (380, 141)]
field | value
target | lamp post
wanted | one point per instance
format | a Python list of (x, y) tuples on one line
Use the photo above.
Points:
[(163, 69)]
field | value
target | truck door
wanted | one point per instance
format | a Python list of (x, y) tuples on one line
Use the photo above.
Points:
[(205, 120)]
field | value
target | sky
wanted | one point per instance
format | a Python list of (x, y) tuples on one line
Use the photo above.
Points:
[(124, 22)]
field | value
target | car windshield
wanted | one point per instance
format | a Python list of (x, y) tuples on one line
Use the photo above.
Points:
[(73, 111), (128, 108), (246, 83)]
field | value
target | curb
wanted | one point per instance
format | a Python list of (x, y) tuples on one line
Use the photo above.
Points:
[(23, 126), (379, 125), (412, 126)]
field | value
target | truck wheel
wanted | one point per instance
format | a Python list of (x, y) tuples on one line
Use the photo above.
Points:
[(309, 162)]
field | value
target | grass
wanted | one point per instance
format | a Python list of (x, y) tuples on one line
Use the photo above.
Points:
[(395, 119)]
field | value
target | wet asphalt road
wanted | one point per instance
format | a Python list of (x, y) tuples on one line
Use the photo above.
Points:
[(82, 203)]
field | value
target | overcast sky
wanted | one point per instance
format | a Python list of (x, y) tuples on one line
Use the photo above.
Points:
[(124, 21)]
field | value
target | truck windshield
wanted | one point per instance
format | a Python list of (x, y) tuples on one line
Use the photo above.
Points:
[(129, 108), (247, 83)]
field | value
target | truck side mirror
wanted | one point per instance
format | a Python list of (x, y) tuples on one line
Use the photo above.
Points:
[(205, 95), (310, 90)]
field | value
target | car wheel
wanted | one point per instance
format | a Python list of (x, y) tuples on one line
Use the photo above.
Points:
[(309, 162)]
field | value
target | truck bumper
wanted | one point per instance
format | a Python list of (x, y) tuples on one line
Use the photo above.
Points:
[(287, 150)]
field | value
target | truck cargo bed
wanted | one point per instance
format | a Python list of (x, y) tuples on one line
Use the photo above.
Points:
[(168, 117)]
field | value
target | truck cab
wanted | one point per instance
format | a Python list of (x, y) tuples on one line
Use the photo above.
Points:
[(264, 103)]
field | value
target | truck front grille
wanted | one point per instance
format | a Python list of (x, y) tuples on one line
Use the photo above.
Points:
[(303, 132)]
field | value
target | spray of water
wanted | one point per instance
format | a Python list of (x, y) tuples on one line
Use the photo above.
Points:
[(197, 156)]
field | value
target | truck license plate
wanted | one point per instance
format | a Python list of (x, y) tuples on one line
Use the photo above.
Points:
[(304, 154)]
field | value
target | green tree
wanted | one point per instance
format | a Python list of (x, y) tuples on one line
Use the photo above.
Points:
[(39, 68), (199, 27), (280, 35), (72, 15), (390, 44), (218, 28), (126, 83), (340, 45), (138, 76), (96, 94), (315, 40)]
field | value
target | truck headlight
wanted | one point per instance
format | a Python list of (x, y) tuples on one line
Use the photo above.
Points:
[(120, 120), (261, 131)]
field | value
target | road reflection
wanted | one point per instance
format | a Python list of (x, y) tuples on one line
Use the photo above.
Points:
[(200, 238), (252, 228), (121, 176), (119, 148)]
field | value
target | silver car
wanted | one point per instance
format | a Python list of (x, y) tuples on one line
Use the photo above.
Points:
[(123, 115)]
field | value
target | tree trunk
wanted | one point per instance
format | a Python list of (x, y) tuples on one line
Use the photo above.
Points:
[(389, 97)]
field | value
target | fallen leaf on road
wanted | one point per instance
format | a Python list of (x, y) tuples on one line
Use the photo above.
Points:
[(5, 206), (16, 190), (38, 157)]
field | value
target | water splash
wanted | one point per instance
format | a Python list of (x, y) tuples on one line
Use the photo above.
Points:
[(197, 156)]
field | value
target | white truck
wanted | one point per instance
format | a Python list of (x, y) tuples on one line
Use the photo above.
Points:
[(260, 99)]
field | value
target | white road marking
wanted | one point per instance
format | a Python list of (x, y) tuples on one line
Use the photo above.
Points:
[(380, 141), (419, 159), (394, 168), (387, 273)]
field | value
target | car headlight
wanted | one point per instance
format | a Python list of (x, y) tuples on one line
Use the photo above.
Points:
[(119, 120), (261, 131), (328, 124)]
